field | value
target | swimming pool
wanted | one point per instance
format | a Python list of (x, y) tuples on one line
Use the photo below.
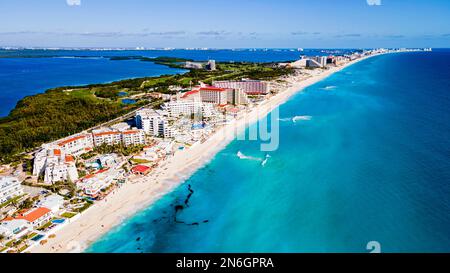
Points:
[(58, 221), (37, 237)]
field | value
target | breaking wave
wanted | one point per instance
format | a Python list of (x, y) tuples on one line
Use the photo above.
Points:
[(243, 156), (329, 87), (299, 118), (296, 118)]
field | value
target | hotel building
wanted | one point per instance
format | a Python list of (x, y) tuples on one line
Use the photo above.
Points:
[(54, 165), (93, 184), (111, 136), (237, 97), (153, 123), (107, 136), (77, 145), (250, 87), (9, 188), (214, 95), (133, 137)]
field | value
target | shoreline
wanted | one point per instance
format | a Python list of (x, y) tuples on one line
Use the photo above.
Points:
[(134, 196)]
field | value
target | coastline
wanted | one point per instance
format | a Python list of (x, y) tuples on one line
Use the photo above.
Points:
[(136, 195)]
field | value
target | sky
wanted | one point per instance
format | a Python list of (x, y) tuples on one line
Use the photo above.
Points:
[(225, 23)]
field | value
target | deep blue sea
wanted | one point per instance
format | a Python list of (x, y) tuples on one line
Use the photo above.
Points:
[(20, 77), (371, 163), (27, 72)]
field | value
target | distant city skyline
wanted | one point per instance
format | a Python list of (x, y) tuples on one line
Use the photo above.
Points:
[(225, 24)]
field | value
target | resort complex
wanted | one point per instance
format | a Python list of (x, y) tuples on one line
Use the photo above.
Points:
[(130, 157)]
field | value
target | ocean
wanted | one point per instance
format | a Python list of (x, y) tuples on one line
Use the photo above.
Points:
[(367, 159)]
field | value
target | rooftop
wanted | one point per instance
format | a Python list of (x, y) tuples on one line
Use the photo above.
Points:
[(141, 168), (72, 139), (30, 215)]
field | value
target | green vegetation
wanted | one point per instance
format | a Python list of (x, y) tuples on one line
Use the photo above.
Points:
[(44, 226), (22, 248), (52, 115), (139, 161), (58, 187), (63, 111), (31, 235), (11, 201), (119, 149), (10, 243), (26, 204), (68, 214), (84, 207)]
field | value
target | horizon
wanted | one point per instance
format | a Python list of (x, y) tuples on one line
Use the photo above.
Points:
[(229, 25), (106, 48)]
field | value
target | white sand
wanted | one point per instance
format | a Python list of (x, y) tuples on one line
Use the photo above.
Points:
[(141, 193)]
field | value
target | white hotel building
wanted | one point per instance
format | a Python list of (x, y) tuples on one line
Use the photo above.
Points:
[(9, 188), (77, 145), (133, 137), (115, 137), (214, 95), (154, 123), (93, 184), (250, 87), (54, 164), (107, 136)]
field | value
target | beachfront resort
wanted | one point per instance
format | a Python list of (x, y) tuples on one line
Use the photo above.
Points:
[(68, 177)]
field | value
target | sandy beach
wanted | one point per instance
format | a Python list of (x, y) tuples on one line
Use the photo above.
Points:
[(140, 193)]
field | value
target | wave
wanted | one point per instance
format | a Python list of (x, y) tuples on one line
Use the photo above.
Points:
[(263, 163), (299, 118), (329, 87), (296, 118), (243, 156), (246, 157)]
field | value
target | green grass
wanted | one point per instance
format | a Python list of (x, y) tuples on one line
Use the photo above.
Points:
[(44, 226), (81, 93), (10, 243), (68, 214), (84, 207), (139, 161), (31, 235), (22, 248)]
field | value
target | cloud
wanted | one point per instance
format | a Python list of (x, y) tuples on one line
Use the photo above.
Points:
[(167, 33), (348, 35), (395, 36), (374, 2), (125, 34), (73, 2), (213, 33), (298, 33)]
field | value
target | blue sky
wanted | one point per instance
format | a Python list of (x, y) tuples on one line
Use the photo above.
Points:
[(225, 23)]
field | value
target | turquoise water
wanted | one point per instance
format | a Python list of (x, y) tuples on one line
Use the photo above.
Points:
[(370, 164)]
